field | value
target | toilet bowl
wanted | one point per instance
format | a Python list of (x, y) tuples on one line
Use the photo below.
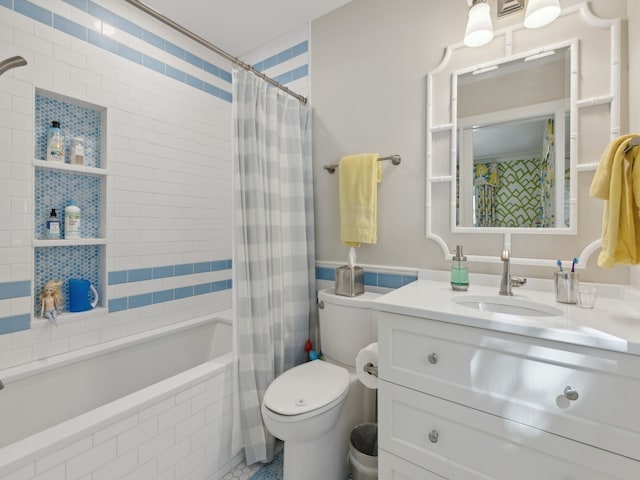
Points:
[(314, 406)]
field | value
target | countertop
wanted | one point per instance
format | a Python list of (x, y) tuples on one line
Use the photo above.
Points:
[(613, 324)]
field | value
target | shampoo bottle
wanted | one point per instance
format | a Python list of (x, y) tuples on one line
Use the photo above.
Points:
[(459, 271), (72, 221), (53, 226), (55, 143)]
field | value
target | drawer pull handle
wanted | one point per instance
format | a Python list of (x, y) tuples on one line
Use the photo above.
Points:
[(433, 436), (571, 393), (433, 358)]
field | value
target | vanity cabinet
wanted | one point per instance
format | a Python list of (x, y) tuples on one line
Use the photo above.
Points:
[(460, 402)]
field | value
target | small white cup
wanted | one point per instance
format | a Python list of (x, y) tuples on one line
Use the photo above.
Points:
[(587, 295)]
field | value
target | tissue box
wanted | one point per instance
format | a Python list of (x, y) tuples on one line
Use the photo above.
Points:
[(349, 281)]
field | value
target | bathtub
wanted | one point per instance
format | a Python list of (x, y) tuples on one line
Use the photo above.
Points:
[(153, 405)]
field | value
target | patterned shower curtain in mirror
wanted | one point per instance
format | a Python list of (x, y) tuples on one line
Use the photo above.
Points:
[(547, 176), (273, 246), (485, 186)]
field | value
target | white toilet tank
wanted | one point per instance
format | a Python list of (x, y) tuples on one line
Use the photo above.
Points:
[(346, 325)]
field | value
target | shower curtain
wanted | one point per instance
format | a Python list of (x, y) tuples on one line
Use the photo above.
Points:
[(485, 186), (547, 176), (273, 245)]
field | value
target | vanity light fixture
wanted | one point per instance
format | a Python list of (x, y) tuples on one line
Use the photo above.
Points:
[(479, 28), (541, 12)]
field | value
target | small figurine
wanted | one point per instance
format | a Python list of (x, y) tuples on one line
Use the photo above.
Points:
[(51, 300)]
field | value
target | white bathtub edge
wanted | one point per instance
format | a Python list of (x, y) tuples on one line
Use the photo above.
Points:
[(16, 373), (27, 450)]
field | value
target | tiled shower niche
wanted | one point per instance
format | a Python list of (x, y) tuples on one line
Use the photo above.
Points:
[(56, 184)]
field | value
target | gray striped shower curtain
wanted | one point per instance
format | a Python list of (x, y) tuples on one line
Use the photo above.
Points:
[(273, 245)]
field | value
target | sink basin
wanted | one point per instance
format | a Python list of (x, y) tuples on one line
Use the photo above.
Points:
[(507, 305)]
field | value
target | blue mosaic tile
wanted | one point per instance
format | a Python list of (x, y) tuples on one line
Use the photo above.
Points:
[(271, 471), (77, 261), (55, 189), (75, 121)]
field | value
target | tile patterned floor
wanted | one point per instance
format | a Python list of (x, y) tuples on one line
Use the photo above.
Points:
[(245, 472), (242, 472)]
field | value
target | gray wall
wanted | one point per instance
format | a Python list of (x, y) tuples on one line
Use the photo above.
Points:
[(369, 62)]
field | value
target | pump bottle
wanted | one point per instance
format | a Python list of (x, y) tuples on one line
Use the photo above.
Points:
[(72, 221), (53, 226), (459, 271)]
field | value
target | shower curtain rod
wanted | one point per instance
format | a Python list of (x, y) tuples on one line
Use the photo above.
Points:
[(167, 21)]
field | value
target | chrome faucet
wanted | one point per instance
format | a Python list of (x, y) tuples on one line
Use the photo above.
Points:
[(507, 282)]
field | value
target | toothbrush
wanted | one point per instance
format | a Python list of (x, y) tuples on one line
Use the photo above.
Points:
[(573, 264), (559, 263)]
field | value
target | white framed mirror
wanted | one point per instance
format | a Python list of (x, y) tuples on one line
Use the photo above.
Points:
[(509, 141), (512, 136)]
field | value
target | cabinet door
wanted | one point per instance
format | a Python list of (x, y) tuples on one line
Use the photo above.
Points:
[(453, 440), (391, 467), (585, 394)]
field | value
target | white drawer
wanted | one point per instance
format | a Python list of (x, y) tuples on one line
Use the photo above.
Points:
[(519, 378), (457, 440), (391, 467)]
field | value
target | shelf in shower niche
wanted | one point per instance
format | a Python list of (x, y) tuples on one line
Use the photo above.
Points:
[(69, 168), (67, 316), (69, 242)]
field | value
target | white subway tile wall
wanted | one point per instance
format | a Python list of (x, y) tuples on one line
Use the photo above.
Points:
[(168, 155), (187, 434)]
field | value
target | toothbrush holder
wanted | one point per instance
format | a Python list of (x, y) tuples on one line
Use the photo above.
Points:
[(566, 287)]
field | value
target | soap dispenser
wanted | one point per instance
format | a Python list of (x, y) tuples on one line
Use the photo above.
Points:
[(459, 271)]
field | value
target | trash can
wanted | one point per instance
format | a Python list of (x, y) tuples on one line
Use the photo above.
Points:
[(363, 452)]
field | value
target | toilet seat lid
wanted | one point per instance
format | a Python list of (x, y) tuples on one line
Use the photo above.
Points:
[(306, 388)]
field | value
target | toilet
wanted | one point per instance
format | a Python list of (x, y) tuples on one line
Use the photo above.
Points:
[(314, 406)]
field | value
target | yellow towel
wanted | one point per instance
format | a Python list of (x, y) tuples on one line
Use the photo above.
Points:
[(358, 178), (617, 180)]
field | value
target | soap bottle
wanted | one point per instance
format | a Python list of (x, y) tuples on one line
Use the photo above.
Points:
[(76, 153), (55, 143), (459, 271), (72, 221), (53, 226)]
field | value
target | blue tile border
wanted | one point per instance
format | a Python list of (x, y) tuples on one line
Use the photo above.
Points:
[(165, 271), (371, 278), (21, 288), (46, 17), (167, 295), (15, 323), (162, 296), (285, 55)]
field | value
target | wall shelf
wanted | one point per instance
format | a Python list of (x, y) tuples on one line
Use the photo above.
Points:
[(56, 184), (69, 242), (66, 167)]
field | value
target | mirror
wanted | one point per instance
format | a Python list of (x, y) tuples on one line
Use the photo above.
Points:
[(485, 115), (513, 124), (513, 161)]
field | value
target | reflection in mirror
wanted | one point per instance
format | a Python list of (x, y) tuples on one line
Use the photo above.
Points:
[(513, 162)]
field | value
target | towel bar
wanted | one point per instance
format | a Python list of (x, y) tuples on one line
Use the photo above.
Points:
[(634, 142), (395, 159)]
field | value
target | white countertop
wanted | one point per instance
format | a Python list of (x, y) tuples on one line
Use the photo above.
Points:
[(613, 324)]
